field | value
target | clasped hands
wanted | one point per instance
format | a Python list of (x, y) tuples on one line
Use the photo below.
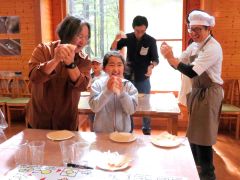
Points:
[(115, 84), (64, 53)]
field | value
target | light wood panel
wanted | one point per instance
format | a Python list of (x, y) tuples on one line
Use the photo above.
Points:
[(226, 31), (25, 10)]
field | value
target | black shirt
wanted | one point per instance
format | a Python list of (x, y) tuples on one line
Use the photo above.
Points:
[(140, 54)]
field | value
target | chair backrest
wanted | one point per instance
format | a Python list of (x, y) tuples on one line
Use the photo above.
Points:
[(14, 86), (21, 87), (232, 92), (24, 86), (5, 85)]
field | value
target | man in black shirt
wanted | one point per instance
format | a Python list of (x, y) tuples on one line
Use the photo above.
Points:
[(142, 57)]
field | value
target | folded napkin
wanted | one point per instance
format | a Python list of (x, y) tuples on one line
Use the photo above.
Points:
[(115, 159)]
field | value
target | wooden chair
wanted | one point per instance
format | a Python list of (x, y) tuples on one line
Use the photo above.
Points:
[(5, 94), (230, 107), (3, 101), (20, 97)]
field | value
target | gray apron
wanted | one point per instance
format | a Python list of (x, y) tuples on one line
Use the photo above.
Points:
[(204, 105)]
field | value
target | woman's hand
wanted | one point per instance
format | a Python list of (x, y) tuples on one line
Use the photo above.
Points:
[(65, 53)]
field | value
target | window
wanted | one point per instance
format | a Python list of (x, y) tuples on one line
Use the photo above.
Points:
[(103, 16), (164, 24)]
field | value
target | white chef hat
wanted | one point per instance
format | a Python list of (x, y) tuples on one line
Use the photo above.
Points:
[(99, 60), (201, 18)]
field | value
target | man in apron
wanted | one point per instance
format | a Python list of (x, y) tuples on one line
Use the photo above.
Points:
[(204, 101)]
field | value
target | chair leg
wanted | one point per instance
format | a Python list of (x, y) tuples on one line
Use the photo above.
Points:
[(230, 125), (26, 120), (237, 127), (9, 116)]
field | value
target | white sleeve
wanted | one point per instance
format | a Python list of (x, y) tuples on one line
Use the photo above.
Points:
[(184, 58), (206, 58)]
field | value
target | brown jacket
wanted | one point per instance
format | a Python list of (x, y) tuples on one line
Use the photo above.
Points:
[(54, 102)]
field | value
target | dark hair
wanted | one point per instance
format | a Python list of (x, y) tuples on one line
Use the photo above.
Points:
[(110, 54), (70, 27), (139, 21)]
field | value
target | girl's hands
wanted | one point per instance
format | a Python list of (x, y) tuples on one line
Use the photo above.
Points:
[(115, 85)]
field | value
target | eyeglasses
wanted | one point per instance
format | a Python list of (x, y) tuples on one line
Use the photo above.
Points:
[(195, 30), (86, 38)]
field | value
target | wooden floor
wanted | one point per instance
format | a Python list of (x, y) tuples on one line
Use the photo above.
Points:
[(226, 152)]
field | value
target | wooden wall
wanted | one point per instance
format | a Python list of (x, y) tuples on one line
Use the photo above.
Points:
[(46, 20), (37, 24), (25, 9), (227, 32)]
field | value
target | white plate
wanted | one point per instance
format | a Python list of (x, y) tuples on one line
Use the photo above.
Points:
[(122, 137), (113, 161), (166, 140), (105, 166), (60, 135)]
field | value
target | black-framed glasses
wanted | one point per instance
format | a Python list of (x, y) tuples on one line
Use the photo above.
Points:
[(80, 36), (196, 30)]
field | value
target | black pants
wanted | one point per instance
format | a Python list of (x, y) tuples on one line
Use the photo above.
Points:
[(203, 156)]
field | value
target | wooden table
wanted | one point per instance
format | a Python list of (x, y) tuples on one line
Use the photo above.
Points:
[(162, 105), (146, 157)]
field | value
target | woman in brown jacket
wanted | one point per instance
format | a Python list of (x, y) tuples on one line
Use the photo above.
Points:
[(58, 72)]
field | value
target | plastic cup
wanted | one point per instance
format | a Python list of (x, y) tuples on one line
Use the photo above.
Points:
[(21, 154), (67, 151), (80, 151), (37, 152), (2, 136)]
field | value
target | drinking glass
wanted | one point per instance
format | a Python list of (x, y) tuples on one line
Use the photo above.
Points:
[(3, 123), (37, 152), (67, 151), (21, 154), (2, 136), (80, 151)]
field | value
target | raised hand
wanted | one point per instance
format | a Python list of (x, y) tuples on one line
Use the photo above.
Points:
[(120, 35), (166, 51)]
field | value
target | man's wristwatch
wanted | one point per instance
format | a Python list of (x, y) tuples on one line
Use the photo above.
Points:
[(70, 66)]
